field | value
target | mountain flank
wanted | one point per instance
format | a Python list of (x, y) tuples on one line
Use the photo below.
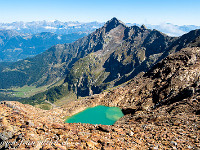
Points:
[(120, 54), (108, 57)]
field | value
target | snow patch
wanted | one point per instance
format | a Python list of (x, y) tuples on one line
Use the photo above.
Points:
[(8, 27), (49, 27), (59, 37), (72, 25), (95, 27)]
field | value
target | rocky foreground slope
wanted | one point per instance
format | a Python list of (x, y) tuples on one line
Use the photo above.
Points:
[(161, 107)]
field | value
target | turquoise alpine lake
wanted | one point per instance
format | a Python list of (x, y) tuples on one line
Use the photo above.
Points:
[(97, 115)]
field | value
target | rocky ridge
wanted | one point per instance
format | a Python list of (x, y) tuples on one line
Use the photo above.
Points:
[(161, 107)]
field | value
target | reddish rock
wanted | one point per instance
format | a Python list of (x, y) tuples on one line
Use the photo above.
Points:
[(57, 126)]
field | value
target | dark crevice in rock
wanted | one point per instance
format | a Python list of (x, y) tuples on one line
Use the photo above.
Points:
[(128, 111), (103, 130), (185, 93), (198, 112)]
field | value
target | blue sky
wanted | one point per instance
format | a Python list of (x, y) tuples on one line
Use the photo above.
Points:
[(179, 12)]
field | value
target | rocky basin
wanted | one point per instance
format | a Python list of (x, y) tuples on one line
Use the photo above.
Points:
[(161, 107)]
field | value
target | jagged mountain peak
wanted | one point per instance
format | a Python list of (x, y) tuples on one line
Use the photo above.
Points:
[(143, 27), (114, 19), (113, 23)]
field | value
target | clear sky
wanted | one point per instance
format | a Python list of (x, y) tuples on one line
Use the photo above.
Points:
[(179, 12)]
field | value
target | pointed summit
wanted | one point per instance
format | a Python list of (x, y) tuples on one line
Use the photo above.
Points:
[(113, 23), (114, 20), (143, 27)]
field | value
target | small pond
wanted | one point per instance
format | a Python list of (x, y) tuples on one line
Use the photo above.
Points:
[(97, 115)]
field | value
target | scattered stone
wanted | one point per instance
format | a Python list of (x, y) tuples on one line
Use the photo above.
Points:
[(57, 126)]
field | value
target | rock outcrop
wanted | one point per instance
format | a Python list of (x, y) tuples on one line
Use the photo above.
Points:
[(161, 107)]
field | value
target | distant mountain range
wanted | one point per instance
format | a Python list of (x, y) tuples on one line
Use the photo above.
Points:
[(15, 46), (59, 27), (173, 30), (20, 40)]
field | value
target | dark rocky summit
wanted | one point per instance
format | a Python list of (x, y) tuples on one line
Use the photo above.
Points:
[(161, 107)]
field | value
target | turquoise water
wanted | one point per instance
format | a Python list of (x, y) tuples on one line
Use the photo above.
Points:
[(97, 115)]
